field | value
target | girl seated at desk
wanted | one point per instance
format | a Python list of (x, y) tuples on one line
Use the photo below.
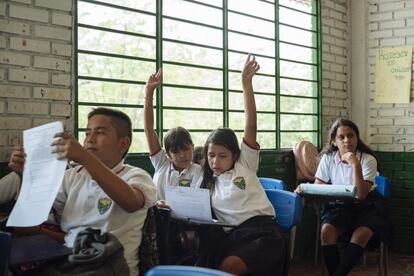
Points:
[(347, 160)]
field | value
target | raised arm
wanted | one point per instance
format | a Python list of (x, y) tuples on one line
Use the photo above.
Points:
[(250, 128), (153, 82)]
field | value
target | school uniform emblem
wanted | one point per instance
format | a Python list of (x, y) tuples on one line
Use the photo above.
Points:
[(104, 204), (239, 182), (184, 182)]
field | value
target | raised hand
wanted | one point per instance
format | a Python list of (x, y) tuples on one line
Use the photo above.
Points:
[(250, 68), (154, 80)]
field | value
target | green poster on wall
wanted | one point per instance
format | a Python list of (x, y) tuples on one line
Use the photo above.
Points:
[(393, 75)]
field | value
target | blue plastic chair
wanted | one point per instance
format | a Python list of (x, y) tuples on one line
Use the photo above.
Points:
[(5, 249), (288, 207), (272, 183), (180, 270), (383, 185)]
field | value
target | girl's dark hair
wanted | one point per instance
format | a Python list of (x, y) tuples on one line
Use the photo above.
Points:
[(330, 147), (221, 137)]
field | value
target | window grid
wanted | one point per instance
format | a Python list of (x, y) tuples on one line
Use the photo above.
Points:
[(225, 89)]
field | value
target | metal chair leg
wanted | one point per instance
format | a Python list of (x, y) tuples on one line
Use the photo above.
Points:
[(292, 240), (381, 259)]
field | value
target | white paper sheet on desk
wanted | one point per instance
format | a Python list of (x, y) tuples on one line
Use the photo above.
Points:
[(328, 190), (189, 203), (42, 176)]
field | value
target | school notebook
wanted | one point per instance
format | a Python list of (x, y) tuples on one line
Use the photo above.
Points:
[(328, 190)]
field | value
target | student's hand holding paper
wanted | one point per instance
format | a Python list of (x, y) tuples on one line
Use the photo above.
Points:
[(17, 159), (67, 147)]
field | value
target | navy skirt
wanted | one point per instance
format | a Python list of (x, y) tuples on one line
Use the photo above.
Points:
[(372, 212), (259, 242)]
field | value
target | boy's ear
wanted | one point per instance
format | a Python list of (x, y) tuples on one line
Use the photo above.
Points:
[(124, 144)]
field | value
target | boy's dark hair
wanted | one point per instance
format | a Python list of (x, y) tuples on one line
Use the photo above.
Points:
[(120, 121), (330, 147), (222, 137), (176, 139)]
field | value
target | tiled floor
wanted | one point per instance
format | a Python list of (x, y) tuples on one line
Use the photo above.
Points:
[(398, 265)]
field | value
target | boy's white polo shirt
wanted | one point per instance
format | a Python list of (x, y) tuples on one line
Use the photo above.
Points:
[(82, 203), (9, 187), (165, 174), (332, 169), (238, 194)]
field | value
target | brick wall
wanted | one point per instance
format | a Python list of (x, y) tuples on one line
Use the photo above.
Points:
[(35, 67), (390, 24), (335, 48)]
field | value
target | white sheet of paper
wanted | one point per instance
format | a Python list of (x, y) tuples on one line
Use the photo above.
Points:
[(42, 176), (189, 203)]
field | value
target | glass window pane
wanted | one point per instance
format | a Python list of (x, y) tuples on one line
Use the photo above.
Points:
[(263, 102), (199, 119), (303, 5), (260, 83), (297, 70), (298, 53), (192, 54), (110, 92), (264, 121), (298, 122), (249, 44), (251, 25), (298, 88), (298, 105), (266, 140), (182, 31), (193, 12), (116, 19), (144, 5), (289, 139), (120, 44), (181, 97), (135, 114), (253, 7), (174, 74), (114, 68), (139, 142), (293, 35), (297, 19), (199, 138)]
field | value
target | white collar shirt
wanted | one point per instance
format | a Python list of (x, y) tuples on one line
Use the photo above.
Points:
[(238, 194), (82, 203), (165, 174), (332, 169)]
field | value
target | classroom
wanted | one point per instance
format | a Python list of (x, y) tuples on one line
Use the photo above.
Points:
[(320, 60)]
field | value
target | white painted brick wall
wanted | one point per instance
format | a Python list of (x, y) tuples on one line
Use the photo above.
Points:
[(35, 67), (335, 29), (394, 27)]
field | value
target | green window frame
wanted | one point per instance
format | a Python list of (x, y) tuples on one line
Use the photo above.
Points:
[(204, 59)]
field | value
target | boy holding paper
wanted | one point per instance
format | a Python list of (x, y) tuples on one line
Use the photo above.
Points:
[(101, 192)]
